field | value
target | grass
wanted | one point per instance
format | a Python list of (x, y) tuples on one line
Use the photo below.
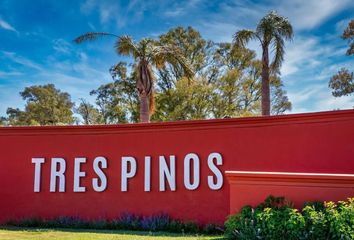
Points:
[(15, 233)]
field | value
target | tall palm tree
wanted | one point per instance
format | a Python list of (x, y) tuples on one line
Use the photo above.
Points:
[(271, 31), (147, 54)]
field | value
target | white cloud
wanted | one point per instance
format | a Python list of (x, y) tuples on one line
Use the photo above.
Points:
[(218, 31), (91, 26), (10, 73), (5, 25), (88, 6), (61, 46), (302, 52), (307, 14), (180, 8), (318, 97), (77, 76), (328, 102), (342, 25), (21, 60), (241, 14), (306, 53), (299, 97), (112, 11), (175, 12)]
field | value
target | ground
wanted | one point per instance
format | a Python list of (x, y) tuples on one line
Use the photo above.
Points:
[(70, 234)]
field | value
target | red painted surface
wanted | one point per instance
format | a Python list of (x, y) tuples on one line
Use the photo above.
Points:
[(316, 142), (299, 188)]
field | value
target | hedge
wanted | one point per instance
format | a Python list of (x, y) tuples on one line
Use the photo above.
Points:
[(126, 221), (276, 218)]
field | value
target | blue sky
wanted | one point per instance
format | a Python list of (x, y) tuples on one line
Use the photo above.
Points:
[(36, 41)]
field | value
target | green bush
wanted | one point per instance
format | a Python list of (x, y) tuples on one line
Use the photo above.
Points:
[(126, 221), (275, 218)]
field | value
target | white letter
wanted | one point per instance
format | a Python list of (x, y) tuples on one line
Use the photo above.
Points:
[(147, 181), (216, 171), (187, 171), (169, 174), (125, 173), (100, 174), (78, 174), (54, 173), (37, 173)]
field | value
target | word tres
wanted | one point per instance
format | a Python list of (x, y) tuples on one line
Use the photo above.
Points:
[(167, 173)]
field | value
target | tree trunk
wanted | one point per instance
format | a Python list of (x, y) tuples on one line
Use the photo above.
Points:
[(144, 85), (265, 82), (144, 108)]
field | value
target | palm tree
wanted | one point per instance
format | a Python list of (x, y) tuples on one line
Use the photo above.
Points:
[(270, 31), (147, 54)]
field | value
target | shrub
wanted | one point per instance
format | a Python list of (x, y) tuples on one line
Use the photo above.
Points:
[(157, 222), (243, 225), (340, 218), (275, 218), (213, 229), (126, 221), (316, 226), (281, 223)]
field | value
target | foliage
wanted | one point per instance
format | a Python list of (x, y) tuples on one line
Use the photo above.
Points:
[(342, 83), (276, 219), (192, 100), (126, 221), (89, 113), (147, 54), (118, 102), (230, 75), (271, 31), (348, 34), (226, 83), (45, 105), (3, 121), (192, 46)]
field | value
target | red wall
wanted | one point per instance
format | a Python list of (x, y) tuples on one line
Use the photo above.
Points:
[(254, 187), (316, 142)]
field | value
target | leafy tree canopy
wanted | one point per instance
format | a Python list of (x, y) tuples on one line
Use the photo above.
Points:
[(45, 105), (226, 83), (342, 83), (222, 81)]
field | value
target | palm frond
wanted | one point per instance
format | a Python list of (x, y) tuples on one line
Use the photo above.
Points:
[(285, 29), (126, 46), (90, 36), (274, 24), (275, 29), (172, 55), (241, 38), (278, 48)]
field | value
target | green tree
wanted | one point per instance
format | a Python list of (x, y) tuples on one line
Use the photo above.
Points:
[(3, 121), (118, 101), (45, 105), (147, 54), (192, 100), (197, 51), (226, 83), (235, 92), (342, 83), (89, 113), (238, 93), (271, 31), (348, 35), (192, 46)]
